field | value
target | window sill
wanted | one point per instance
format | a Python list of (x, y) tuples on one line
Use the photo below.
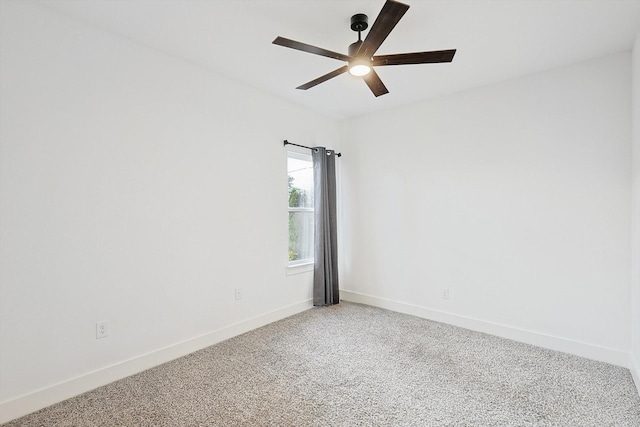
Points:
[(299, 268)]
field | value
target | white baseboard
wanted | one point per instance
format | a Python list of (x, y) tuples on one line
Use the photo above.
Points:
[(634, 367), (47, 396), (602, 354)]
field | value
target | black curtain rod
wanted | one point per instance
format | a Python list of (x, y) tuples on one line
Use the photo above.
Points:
[(310, 148)]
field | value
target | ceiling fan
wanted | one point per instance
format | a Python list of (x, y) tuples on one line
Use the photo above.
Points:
[(361, 59)]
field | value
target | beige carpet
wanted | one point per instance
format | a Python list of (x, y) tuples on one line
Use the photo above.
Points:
[(355, 365)]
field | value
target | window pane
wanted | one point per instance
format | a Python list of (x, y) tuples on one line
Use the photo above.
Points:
[(300, 183), (301, 217), (300, 235)]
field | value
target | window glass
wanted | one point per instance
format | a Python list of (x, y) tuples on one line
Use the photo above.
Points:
[(300, 193)]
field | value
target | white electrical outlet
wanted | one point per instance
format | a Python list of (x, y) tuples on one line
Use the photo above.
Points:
[(238, 294), (445, 294), (102, 329)]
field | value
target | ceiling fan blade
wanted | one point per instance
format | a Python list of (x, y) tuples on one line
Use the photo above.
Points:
[(375, 84), (310, 49), (391, 13), (431, 57), (324, 78)]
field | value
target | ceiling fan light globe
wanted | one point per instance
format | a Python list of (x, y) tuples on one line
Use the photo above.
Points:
[(359, 70)]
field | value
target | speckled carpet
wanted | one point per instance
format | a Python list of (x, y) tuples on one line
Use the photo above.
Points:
[(355, 365)]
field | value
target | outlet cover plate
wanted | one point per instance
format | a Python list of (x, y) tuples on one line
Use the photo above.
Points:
[(102, 329)]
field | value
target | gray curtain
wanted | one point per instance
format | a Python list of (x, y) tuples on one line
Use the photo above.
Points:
[(325, 275)]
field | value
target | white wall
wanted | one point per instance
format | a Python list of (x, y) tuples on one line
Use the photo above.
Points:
[(515, 197), (135, 188), (635, 218)]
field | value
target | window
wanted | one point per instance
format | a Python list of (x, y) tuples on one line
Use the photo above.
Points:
[(300, 189)]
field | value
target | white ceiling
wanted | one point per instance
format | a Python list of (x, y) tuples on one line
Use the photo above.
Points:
[(496, 40)]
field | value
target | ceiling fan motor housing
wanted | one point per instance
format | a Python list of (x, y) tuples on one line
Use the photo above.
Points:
[(353, 48)]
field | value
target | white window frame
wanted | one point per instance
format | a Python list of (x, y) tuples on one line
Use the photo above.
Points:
[(307, 264)]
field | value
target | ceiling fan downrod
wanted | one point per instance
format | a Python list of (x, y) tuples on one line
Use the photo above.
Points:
[(359, 23)]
